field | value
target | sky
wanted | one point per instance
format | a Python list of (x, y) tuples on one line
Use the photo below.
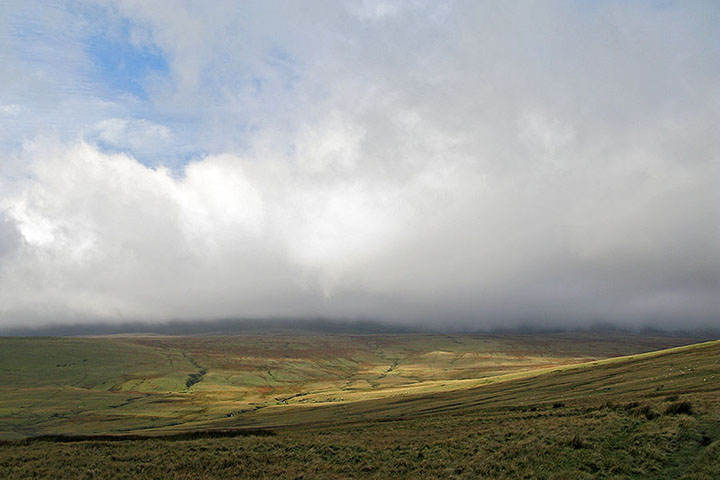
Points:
[(449, 163)]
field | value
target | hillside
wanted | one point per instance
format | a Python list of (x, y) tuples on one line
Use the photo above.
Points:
[(147, 382), (652, 415)]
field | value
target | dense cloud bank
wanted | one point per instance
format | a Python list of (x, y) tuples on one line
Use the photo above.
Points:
[(448, 163), (323, 326)]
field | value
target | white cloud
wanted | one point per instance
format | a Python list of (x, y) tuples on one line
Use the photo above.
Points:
[(459, 162), (10, 109), (542, 135), (335, 143), (135, 134)]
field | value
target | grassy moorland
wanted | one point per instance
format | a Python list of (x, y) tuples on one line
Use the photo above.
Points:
[(361, 407), (122, 384)]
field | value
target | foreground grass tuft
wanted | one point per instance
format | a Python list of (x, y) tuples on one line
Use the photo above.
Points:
[(678, 408)]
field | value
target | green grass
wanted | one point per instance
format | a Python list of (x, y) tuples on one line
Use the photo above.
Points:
[(652, 415), (124, 383)]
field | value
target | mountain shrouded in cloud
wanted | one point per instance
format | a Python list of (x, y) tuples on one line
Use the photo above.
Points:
[(465, 163)]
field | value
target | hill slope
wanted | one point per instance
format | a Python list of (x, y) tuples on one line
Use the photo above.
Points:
[(654, 415), (140, 382)]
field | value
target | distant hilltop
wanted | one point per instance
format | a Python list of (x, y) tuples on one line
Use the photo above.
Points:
[(229, 326)]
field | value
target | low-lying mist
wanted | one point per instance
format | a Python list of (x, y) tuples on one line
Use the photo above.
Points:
[(333, 326)]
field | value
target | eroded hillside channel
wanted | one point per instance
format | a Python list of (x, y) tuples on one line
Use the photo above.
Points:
[(195, 377)]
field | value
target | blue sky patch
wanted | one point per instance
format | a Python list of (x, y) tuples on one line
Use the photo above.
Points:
[(122, 66)]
